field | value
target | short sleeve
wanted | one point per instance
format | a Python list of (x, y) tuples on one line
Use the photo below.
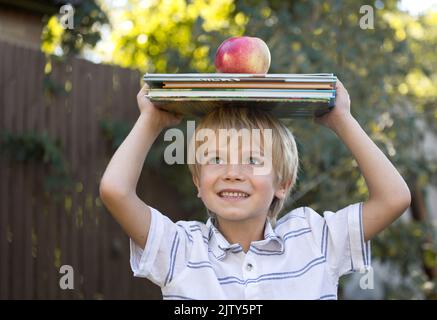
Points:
[(340, 237), (165, 254)]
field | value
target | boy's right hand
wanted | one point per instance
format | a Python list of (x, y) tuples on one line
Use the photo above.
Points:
[(160, 118)]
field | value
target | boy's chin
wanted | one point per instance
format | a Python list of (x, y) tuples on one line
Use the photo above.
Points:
[(234, 216)]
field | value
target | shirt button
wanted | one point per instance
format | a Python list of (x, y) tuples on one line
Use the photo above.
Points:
[(249, 267)]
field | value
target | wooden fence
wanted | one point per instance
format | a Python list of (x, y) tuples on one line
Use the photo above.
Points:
[(38, 233)]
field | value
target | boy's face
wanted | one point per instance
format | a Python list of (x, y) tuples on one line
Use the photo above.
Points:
[(230, 189)]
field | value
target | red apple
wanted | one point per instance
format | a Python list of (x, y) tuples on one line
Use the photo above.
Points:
[(243, 55)]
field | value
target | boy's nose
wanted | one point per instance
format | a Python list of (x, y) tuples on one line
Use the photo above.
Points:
[(233, 172)]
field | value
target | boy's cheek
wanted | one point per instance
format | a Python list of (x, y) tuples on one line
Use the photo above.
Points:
[(264, 170)]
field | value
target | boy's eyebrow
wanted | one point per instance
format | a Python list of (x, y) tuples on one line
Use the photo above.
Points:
[(253, 153), (215, 150), (243, 154)]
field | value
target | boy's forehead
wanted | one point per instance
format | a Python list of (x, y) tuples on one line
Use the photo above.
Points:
[(244, 140)]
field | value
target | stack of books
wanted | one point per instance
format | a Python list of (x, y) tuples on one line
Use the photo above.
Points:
[(284, 95)]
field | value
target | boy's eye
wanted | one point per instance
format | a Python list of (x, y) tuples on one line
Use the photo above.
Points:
[(254, 161), (215, 160)]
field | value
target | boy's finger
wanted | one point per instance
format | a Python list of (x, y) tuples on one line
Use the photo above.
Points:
[(339, 84), (145, 89), (142, 94)]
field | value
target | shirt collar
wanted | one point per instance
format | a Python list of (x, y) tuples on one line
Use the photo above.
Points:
[(219, 246)]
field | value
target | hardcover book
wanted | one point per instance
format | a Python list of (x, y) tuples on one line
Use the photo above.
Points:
[(284, 95)]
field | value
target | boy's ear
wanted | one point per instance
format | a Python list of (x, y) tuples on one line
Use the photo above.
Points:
[(196, 183), (282, 189)]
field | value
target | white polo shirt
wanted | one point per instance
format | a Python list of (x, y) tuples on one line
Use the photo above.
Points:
[(301, 258)]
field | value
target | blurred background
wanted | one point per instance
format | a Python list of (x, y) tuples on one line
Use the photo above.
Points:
[(68, 99)]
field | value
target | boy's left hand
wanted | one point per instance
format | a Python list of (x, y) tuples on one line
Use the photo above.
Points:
[(341, 111)]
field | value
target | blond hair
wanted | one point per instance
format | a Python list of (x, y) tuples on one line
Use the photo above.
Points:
[(285, 160)]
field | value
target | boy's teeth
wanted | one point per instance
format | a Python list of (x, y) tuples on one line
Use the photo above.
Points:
[(234, 194)]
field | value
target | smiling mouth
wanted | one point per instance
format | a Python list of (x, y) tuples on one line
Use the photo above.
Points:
[(228, 195)]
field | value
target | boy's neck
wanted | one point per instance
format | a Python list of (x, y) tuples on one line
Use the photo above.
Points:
[(242, 232)]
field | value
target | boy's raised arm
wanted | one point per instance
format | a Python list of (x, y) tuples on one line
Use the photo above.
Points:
[(119, 181), (389, 195)]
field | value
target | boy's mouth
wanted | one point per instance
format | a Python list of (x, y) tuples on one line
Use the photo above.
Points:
[(233, 194)]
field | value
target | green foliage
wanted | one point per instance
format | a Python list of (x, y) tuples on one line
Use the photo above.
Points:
[(88, 20), (412, 249), (38, 148), (115, 132), (173, 36), (409, 245), (53, 88)]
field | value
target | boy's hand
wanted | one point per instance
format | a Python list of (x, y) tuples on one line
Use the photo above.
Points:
[(341, 111), (160, 118)]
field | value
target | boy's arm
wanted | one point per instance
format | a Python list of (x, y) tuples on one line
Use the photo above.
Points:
[(389, 195), (119, 181)]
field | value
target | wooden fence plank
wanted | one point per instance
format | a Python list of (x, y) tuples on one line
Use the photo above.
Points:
[(17, 209), (74, 163), (64, 230), (33, 67), (87, 244), (37, 125), (42, 263), (75, 159), (51, 199), (4, 173), (97, 85), (105, 237), (57, 196)]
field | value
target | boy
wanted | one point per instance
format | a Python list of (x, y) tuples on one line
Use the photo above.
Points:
[(241, 252)]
